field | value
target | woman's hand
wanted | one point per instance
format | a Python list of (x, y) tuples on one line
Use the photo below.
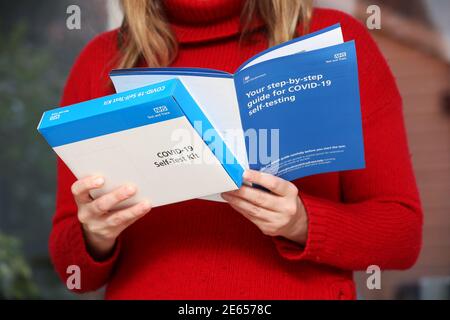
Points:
[(279, 213), (100, 224)]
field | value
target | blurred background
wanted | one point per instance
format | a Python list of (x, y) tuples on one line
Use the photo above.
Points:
[(37, 51)]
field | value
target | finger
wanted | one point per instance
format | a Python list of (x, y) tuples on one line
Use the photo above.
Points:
[(123, 218), (113, 198), (274, 184), (258, 197), (250, 208), (80, 189), (265, 226), (248, 216)]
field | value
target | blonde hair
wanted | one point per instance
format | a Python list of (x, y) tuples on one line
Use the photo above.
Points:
[(146, 34)]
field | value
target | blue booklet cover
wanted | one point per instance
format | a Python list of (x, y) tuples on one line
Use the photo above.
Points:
[(292, 110), (310, 104)]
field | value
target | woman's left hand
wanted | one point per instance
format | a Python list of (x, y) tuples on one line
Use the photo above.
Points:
[(276, 213)]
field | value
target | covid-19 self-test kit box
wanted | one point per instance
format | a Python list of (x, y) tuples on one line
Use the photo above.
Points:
[(152, 137)]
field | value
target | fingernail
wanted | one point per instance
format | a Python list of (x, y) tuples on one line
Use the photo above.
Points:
[(130, 190), (99, 181), (145, 206)]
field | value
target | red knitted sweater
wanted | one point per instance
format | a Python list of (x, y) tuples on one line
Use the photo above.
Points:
[(205, 250)]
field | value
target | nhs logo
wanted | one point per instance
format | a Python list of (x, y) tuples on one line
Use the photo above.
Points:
[(340, 55), (160, 109), (54, 116)]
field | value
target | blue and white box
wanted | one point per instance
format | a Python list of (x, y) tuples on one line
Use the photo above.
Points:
[(152, 137)]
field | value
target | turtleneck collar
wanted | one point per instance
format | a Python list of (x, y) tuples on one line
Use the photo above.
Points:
[(204, 20), (202, 11)]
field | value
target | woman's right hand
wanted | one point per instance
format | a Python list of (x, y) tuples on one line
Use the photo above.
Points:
[(102, 225)]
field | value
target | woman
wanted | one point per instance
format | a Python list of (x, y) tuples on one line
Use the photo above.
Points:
[(303, 240)]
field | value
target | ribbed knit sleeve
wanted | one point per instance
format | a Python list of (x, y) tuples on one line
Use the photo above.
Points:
[(379, 218), (67, 246)]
